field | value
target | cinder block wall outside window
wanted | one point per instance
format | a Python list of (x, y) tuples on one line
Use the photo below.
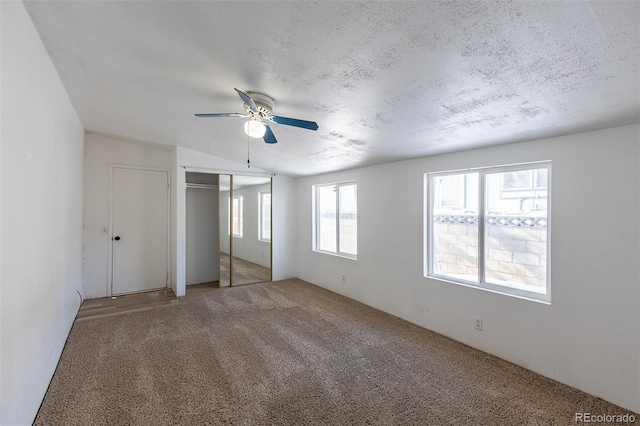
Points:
[(512, 253)]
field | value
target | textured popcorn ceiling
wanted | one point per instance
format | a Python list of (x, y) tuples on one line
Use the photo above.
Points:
[(384, 80)]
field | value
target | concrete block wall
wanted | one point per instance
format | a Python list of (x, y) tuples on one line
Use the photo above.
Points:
[(514, 254), (348, 230)]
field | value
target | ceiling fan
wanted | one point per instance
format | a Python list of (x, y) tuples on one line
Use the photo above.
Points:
[(258, 108)]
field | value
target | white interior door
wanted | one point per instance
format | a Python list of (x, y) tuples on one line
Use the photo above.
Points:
[(202, 245), (140, 237)]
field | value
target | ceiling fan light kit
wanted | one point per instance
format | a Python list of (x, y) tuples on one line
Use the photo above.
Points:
[(254, 128), (258, 109)]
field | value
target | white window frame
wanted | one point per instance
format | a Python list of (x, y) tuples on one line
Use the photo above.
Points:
[(261, 226), (240, 214), (429, 202), (316, 217)]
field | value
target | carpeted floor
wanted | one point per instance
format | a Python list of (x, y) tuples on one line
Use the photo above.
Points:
[(290, 353)]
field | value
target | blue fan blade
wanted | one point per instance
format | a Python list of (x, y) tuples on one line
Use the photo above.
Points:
[(223, 114), (311, 125), (247, 100), (269, 137)]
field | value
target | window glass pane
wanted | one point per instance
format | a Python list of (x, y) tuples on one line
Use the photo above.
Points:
[(516, 234), (520, 179), (541, 178), (235, 216), (265, 216), (348, 219), (326, 207), (455, 226), (452, 191), (266, 229), (236, 221)]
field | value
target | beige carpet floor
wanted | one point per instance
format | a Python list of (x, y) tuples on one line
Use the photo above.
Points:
[(290, 353)]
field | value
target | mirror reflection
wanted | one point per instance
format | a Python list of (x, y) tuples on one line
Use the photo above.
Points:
[(224, 184), (245, 257)]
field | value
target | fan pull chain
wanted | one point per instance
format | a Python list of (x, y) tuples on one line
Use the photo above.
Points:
[(248, 161)]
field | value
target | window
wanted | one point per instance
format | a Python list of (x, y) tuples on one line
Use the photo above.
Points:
[(524, 183), (489, 228), (236, 220), (228, 215), (336, 218), (264, 219)]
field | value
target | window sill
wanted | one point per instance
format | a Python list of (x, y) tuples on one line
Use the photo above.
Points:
[(342, 255), (544, 299)]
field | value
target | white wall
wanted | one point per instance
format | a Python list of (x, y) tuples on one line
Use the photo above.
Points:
[(178, 233), (588, 338), (41, 169), (202, 243), (101, 151), (283, 228)]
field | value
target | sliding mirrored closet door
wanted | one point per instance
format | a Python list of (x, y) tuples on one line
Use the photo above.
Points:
[(250, 229), (245, 229), (225, 229)]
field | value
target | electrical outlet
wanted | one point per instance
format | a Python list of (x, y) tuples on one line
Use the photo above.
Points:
[(344, 278), (477, 323)]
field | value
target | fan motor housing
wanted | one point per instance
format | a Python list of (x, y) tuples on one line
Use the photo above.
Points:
[(264, 103)]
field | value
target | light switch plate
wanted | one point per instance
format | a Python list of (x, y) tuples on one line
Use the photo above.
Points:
[(104, 230)]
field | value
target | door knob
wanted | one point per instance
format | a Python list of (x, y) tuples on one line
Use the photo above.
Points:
[(117, 238)]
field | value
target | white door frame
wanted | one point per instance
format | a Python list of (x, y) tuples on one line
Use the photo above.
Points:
[(113, 166)]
